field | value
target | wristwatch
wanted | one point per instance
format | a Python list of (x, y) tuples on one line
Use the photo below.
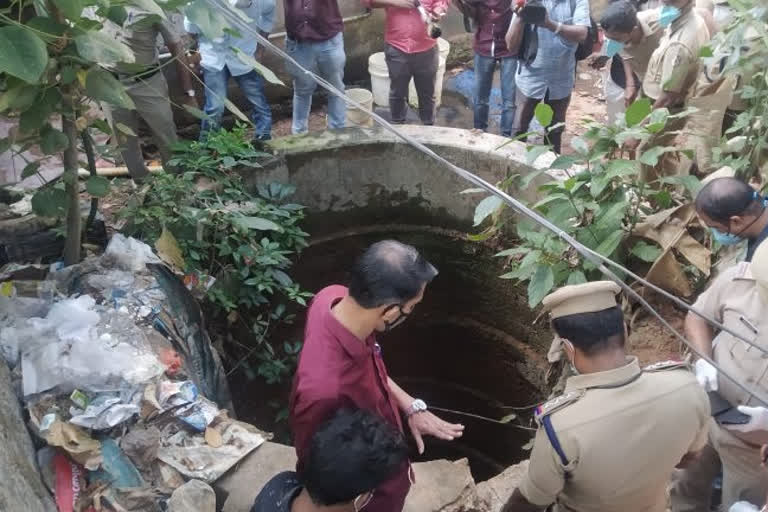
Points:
[(191, 93), (417, 406)]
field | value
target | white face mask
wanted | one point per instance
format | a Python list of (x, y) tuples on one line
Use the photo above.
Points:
[(572, 362)]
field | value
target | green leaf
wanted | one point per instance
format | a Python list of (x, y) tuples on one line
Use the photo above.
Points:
[(514, 251), (103, 49), (638, 111), (260, 68), (125, 129), (598, 183), (22, 53), (576, 277), (30, 170), (5, 144), (540, 285), (579, 145), (611, 216), (691, 183), (485, 208), (534, 152), (102, 86), (526, 180), (52, 141), (620, 167), (282, 278), (233, 108), (563, 162), (210, 23), (651, 156), (508, 418), (71, 9), (544, 114), (101, 125), (48, 26), (37, 114), (706, 52), (646, 251), (50, 202), (257, 223), (97, 186), (196, 112), (18, 98), (611, 243), (117, 15), (68, 75)]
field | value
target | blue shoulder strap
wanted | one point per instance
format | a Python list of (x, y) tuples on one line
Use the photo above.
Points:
[(546, 422)]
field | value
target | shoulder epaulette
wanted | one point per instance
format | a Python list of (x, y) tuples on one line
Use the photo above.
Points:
[(559, 402), (667, 365)]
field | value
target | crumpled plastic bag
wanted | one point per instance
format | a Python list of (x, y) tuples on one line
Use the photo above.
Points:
[(104, 412), (129, 253), (66, 350)]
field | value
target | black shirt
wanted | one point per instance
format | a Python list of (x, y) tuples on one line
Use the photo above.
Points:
[(278, 494)]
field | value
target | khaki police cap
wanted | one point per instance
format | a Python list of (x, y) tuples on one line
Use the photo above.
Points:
[(759, 268), (582, 298)]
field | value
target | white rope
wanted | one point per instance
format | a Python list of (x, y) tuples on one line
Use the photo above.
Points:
[(588, 254)]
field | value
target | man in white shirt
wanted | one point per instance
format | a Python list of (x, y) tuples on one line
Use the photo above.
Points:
[(220, 60)]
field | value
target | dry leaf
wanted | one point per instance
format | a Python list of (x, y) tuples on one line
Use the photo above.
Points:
[(168, 250), (667, 273)]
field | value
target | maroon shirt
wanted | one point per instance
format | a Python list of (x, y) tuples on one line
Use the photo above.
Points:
[(312, 20), (336, 369), (493, 19)]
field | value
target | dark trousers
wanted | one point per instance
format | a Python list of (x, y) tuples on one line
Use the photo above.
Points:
[(423, 68), (525, 110)]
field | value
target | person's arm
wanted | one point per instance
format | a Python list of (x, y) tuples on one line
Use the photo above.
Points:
[(423, 423), (699, 333), (514, 37), (677, 64), (542, 482), (266, 24), (572, 33), (631, 90), (179, 54)]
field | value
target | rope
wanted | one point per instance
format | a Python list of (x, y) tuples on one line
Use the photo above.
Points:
[(600, 261)]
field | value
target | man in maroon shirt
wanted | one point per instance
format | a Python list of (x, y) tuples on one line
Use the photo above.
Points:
[(492, 18), (315, 40), (341, 364)]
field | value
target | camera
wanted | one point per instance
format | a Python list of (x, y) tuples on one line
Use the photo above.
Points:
[(533, 12), (433, 26)]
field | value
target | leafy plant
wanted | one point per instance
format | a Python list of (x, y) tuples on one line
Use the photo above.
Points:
[(601, 201), (740, 50), (55, 61), (244, 241)]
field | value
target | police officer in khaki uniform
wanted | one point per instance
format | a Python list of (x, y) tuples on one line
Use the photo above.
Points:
[(610, 442), (738, 299), (671, 76)]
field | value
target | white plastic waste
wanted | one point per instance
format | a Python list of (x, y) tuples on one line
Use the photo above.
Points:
[(743, 506), (129, 253)]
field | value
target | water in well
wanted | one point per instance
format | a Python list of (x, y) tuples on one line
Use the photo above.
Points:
[(469, 346)]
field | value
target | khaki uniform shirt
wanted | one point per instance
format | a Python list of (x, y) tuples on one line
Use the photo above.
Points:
[(622, 431), (733, 301), (139, 32), (640, 55), (674, 66)]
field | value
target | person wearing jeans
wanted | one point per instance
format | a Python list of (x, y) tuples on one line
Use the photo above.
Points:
[(493, 18), (219, 59), (410, 53), (315, 41), (550, 77)]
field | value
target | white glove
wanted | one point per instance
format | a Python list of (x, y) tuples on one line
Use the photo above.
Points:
[(758, 420), (706, 374), (743, 506)]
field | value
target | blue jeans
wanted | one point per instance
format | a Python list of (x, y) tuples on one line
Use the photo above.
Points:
[(484, 69), (252, 85), (324, 58)]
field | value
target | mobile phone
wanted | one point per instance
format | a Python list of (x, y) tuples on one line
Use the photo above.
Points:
[(724, 413)]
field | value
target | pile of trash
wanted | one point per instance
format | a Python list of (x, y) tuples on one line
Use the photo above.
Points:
[(113, 364)]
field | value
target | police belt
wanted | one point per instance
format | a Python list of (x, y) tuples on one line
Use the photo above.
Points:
[(137, 77)]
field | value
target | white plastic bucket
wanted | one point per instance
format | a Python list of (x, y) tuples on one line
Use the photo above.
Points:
[(413, 98), (355, 116), (377, 67)]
